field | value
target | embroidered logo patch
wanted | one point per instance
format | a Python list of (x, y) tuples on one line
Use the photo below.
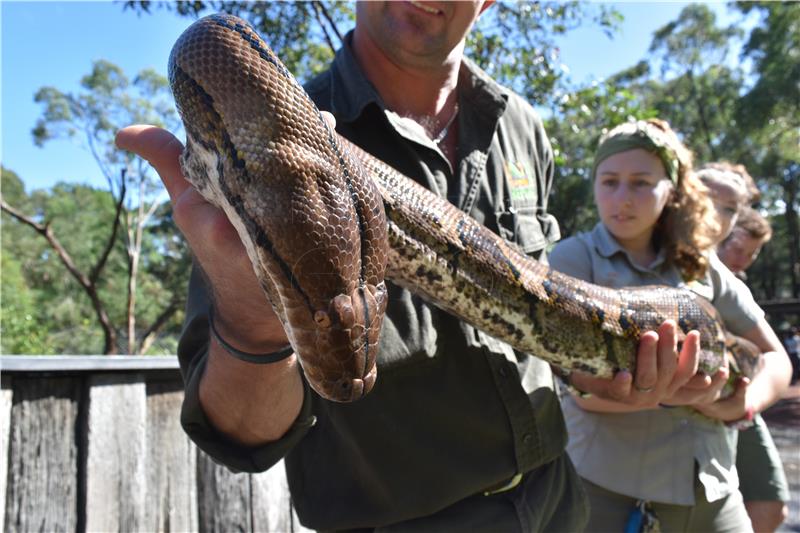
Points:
[(520, 183)]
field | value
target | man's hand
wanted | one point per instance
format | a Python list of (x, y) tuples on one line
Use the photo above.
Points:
[(244, 316), (662, 374), (251, 403)]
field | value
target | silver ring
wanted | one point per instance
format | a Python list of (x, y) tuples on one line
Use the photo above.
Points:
[(643, 389)]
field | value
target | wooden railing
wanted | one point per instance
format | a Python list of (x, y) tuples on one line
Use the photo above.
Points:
[(94, 443)]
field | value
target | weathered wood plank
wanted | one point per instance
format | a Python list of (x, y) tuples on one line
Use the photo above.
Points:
[(116, 453), (171, 462), (5, 421), (42, 492), (223, 498), (272, 510)]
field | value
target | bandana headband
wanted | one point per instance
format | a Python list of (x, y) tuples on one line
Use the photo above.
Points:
[(639, 134)]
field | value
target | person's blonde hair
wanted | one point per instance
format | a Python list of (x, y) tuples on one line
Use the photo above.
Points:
[(687, 227), (726, 173)]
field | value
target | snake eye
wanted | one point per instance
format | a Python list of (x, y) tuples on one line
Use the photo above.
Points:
[(322, 319)]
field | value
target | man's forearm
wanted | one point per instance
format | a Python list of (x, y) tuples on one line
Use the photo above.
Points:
[(251, 403)]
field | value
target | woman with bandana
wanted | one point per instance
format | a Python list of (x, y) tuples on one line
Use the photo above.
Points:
[(671, 460)]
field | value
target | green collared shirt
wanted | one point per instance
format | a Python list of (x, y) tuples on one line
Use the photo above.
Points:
[(453, 411)]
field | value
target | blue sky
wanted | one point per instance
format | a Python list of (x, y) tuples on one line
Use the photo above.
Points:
[(54, 43)]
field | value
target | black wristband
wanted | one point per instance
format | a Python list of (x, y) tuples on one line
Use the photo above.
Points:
[(257, 358)]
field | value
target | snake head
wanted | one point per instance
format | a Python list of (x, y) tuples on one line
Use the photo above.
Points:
[(339, 344), (309, 215)]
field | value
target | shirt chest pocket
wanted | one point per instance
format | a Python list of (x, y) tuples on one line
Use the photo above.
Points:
[(530, 230)]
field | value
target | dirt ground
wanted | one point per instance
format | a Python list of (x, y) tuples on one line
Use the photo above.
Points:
[(783, 420)]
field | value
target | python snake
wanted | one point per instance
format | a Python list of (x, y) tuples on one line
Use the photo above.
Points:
[(323, 222)]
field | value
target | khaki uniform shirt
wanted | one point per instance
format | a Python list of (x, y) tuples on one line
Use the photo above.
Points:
[(652, 454), (453, 411)]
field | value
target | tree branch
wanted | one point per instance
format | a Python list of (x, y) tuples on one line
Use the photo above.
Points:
[(150, 334), (89, 286), (319, 7), (101, 262), (321, 25)]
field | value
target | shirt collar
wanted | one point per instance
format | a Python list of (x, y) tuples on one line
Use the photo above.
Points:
[(607, 246), (351, 90)]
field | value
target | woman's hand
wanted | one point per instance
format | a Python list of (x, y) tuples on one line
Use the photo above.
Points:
[(730, 408), (661, 374)]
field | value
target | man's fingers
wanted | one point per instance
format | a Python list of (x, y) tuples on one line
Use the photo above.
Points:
[(330, 119), (161, 149)]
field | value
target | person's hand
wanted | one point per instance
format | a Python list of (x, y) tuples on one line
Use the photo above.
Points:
[(730, 408), (662, 373), (700, 389), (243, 314)]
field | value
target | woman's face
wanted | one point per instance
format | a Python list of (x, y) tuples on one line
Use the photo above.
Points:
[(631, 189), (727, 201)]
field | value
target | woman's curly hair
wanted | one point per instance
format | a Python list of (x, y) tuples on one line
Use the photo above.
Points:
[(688, 224)]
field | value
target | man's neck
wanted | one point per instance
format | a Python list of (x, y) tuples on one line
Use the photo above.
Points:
[(409, 90)]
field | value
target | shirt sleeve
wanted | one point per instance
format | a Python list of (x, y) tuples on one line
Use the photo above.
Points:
[(193, 355), (572, 257), (732, 298)]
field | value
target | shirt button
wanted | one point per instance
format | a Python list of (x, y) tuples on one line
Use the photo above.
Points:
[(527, 438), (504, 371), (684, 422)]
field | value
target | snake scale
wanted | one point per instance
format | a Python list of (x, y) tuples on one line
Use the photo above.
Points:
[(324, 222)]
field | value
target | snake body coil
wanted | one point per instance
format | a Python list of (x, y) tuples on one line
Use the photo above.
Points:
[(320, 219)]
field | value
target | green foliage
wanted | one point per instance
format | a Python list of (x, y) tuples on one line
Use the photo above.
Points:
[(22, 328), (304, 35), (722, 111), (44, 309), (514, 42), (99, 229)]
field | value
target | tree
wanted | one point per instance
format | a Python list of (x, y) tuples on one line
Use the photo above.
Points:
[(304, 35), (575, 128), (691, 51), (20, 319), (108, 101), (770, 113)]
